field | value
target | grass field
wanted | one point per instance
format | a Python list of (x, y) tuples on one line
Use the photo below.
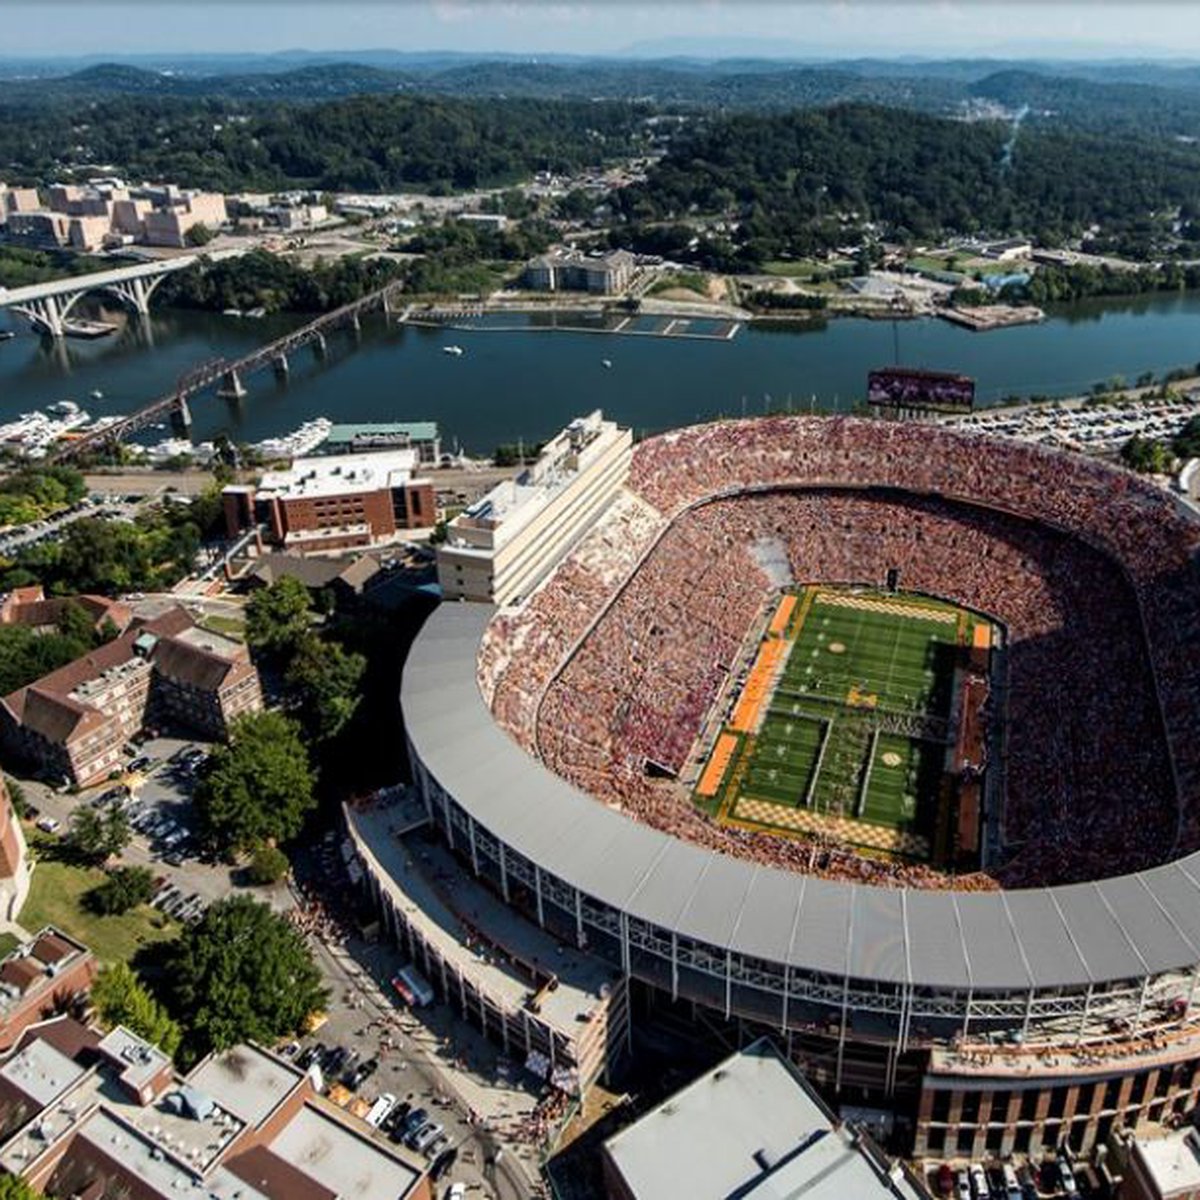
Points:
[(852, 738), (56, 897)]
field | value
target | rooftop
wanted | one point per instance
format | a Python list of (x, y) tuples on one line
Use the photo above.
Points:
[(750, 1127), (337, 474), (32, 967), (416, 431), (513, 503), (508, 956), (249, 1082), (347, 1162), (1173, 1162)]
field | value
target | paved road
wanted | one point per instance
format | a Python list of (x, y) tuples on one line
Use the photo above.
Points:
[(363, 1017)]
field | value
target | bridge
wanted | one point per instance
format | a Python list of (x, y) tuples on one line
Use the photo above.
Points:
[(229, 375), (47, 306)]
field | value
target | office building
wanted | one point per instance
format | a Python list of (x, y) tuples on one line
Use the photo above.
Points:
[(335, 502)]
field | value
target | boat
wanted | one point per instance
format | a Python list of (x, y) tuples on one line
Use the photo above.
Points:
[(6, 335), (96, 394), (455, 350), (606, 363), (255, 314), (231, 312)]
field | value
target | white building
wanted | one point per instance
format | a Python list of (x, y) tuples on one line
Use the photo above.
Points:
[(505, 544)]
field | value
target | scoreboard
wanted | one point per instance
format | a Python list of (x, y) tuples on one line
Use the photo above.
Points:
[(906, 389)]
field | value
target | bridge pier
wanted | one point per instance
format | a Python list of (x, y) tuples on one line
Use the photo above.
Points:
[(356, 323), (280, 366), (231, 387), (181, 418), (320, 349)]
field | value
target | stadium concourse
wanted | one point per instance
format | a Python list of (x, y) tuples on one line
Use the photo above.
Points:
[(1069, 965)]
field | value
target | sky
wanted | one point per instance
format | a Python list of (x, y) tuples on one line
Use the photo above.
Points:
[(790, 28)]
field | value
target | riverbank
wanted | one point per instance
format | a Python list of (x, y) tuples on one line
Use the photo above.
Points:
[(501, 389)]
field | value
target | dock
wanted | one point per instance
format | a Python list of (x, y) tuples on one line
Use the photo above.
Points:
[(992, 316)]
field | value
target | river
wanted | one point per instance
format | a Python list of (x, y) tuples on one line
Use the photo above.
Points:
[(508, 385)]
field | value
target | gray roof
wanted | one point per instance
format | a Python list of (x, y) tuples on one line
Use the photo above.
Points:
[(1072, 936), (749, 1128)]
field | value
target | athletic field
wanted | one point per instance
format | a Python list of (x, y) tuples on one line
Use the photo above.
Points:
[(841, 725)]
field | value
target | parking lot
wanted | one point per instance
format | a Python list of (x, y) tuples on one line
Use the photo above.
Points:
[(155, 791), (1057, 1176)]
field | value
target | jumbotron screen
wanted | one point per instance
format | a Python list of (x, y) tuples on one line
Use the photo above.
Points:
[(905, 387)]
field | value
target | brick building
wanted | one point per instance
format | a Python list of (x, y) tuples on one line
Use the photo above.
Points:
[(28, 606), (88, 1114), (74, 722), (39, 978), (335, 502)]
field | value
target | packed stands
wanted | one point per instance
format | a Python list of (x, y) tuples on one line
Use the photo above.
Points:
[(611, 669)]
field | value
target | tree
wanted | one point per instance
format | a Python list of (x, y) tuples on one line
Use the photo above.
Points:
[(258, 787), (125, 888), (241, 973), (120, 999), (277, 617), (13, 1187), (1146, 455), (325, 679), (95, 836), (199, 235), (268, 865)]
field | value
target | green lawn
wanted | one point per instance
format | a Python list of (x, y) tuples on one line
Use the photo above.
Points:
[(56, 898), (231, 627)]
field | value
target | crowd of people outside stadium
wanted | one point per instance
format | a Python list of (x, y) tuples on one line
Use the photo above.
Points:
[(1088, 782)]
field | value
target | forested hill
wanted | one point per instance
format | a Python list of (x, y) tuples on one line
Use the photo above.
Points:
[(365, 143), (801, 181)]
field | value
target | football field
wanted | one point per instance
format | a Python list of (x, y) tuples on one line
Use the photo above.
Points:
[(841, 724)]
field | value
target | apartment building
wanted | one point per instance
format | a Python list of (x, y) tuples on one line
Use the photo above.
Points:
[(573, 271), (501, 547), (91, 1114), (14, 861), (73, 723), (335, 502)]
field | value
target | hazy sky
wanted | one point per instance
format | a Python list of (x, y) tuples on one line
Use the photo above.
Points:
[(1086, 28)]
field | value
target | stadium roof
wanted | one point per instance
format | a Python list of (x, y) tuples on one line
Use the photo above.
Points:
[(1066, 937)]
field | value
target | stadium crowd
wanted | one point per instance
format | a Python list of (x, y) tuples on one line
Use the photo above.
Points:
[(1091, 571)]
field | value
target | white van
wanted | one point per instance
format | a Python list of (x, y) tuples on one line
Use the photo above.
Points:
[(380, 1109)]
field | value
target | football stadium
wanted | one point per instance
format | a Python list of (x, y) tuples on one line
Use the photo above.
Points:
[(870, 734)]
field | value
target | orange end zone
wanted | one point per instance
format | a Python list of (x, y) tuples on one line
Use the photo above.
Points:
[(783, 614), (718, 764), (758, 686)]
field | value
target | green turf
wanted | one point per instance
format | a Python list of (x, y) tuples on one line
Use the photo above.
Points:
[(820, 749)]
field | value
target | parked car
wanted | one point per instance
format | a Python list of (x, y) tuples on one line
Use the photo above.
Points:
[(361, 1074), (456, 1191), (425, 1136), (49, 824), (380, 1109), (443, 1163), (414, 1120)]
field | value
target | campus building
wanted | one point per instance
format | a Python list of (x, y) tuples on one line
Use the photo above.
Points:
[(335, 502), (503, 545), (73, 723), (752, 1128), (40, 977), (88, 1114), (29, 606)]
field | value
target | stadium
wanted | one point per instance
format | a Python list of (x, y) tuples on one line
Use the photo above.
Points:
[(1003, 946)]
